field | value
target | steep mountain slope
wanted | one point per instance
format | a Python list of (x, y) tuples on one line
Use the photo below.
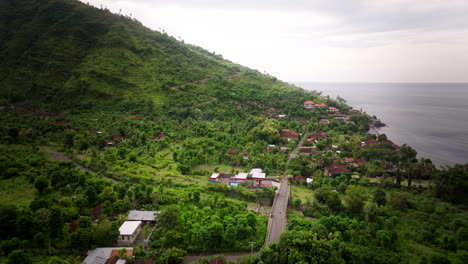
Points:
[(64, 53)]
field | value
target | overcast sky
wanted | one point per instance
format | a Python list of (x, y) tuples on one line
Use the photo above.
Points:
[(321, 40)]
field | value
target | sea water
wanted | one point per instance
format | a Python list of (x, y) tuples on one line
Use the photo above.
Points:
[(430, 117)]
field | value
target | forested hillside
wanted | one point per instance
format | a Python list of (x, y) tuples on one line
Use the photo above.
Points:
[(100, 115)]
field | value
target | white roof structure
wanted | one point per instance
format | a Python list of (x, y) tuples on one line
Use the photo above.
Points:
[(309, 180), (254, 171), (214, 176), (136, 215), (101, 255), (260, 175), (129, 227), (241, 176)]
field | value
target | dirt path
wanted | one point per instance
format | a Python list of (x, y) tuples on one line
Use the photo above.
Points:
[(278, 218), (204, 80), (60, 157), (230, 256)]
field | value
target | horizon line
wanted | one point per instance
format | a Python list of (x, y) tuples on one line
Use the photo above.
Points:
[(386, 82)]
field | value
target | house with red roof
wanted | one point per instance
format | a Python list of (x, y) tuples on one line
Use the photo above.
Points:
[(272, 112), (304, 122), (336, 168), (232, 151), (324, 121), (308, 150), (369, 142), (338, 115), (332, 109), (289, 134), (317, 136)]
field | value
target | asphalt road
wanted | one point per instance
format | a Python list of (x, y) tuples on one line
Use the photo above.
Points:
[(278, 217)]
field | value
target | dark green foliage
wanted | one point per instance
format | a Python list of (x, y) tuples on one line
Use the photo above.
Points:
[(8, 216), (41, 183), (380, 197), (19, 257)]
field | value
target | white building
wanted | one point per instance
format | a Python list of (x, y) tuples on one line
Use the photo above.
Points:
[(129, 230), (255, 171), (260, 175), (241, 176)]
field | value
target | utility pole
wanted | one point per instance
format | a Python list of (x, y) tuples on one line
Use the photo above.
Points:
[(251, 250)]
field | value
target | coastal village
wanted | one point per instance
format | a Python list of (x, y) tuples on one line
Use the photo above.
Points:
[(315, 145), (311, 141), (120, 144)]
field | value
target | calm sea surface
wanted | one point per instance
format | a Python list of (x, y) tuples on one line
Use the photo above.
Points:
[(430, 117)]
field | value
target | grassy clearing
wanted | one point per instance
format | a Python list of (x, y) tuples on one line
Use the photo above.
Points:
[(423, 183), (16, 191), (302, 192), (221, 168)]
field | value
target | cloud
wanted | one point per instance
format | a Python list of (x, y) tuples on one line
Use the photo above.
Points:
[(324, 40)]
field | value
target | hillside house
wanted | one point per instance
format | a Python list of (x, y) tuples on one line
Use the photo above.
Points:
[(271, 147), (332, 109), (308, 150), (146, 217), (324, 121), (317, 136), (338, 115), (336, 168), (284, 148), (129, 230), (214, 176), (320, 105), (289, 134), (241, 176), (232, 151), (309, 105)]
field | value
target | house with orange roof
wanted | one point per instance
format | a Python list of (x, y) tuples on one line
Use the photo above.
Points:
[(320, 105), (309, 105), (332, 109)]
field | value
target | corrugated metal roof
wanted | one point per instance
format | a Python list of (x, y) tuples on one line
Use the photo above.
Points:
[(136, 215), (101, 255)]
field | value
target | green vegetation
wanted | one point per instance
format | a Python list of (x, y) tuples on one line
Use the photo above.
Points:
[(100, 115)]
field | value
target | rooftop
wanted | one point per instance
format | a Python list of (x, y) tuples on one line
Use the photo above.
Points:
[(136, 215), (214, 176), (260, 175), (241, 176), (254, 171), (101, 255), (129, 227)]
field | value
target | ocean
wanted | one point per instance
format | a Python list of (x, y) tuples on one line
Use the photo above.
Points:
[(432, 118)]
